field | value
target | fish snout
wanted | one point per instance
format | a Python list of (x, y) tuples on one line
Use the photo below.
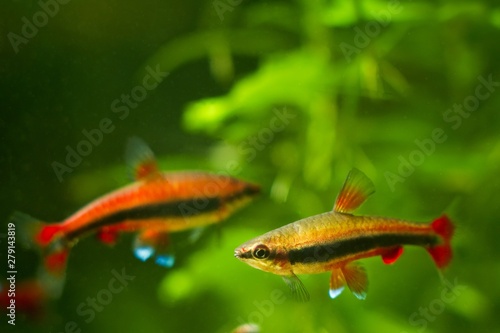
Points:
[(237, 252), (242, 253)]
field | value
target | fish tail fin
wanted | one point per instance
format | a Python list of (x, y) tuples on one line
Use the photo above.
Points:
[(442, 253), (29, 229), (48, 241)]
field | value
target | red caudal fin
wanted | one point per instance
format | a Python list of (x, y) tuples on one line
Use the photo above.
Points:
[(34, 233), (442, 253), (49, 241)]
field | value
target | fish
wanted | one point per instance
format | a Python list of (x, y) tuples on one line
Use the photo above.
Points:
[(333, 242), (153, 206)]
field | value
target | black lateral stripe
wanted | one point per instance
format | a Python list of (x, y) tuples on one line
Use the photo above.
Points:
[(338, 249), (174, 209)]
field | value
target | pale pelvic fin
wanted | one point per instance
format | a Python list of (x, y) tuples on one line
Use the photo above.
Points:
[(357, 187), (297, 288)]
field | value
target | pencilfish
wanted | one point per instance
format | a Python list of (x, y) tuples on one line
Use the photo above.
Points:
[(153, 206), (334, 240)]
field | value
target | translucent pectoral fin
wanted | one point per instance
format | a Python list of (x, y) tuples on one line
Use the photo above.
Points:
[(357, 187), (337, 283), (196, 234), (297, 288), (356, 279)]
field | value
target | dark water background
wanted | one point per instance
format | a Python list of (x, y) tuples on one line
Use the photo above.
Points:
[(290, 95)]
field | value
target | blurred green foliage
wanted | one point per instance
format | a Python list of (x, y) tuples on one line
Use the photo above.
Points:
[(363, 83)]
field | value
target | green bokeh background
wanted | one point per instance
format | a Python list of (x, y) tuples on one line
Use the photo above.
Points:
[(363, 81)]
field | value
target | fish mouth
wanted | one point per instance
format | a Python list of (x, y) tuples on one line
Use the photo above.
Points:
[(242, 254), (238, 252)]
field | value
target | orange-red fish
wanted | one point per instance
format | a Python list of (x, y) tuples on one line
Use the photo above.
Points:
[(154, 205), (334, 240)]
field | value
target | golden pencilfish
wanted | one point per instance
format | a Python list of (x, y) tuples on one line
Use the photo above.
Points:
[(156, 204), (334, 240)]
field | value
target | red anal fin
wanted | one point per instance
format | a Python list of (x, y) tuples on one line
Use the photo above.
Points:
[(357, 187), (108, 236), (391, 255), (141, 159), (356, 279)]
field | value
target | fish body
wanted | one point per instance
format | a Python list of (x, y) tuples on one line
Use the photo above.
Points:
[(334, 240), (169, 202), (156, 204)]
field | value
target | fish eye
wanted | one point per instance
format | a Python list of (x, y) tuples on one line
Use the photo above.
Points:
[(261, 252)]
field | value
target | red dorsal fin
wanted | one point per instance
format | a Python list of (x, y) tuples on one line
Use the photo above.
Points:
[(141, 160), (357, 187), (391, 255)]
